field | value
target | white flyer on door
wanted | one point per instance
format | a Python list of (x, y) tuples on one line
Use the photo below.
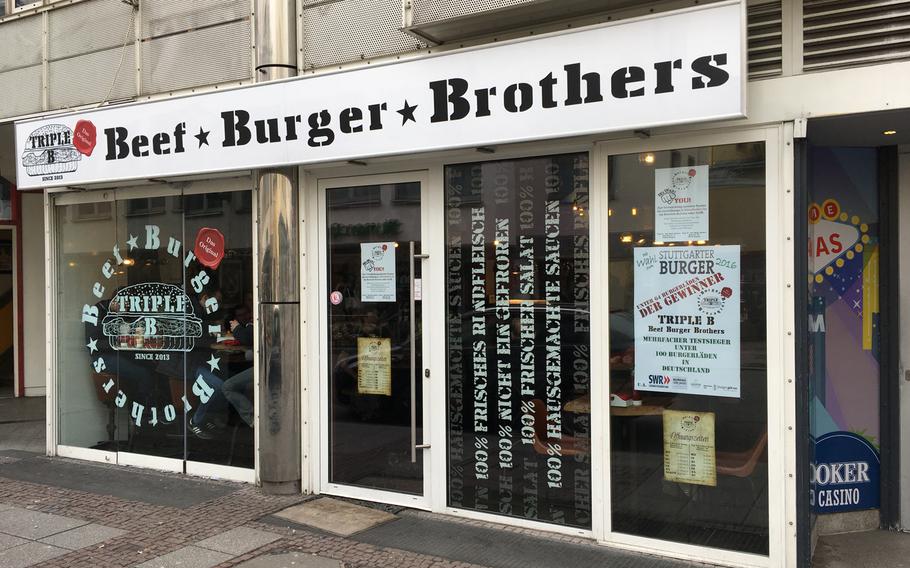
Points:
[(377, 272), (681, 204), (687, 320)]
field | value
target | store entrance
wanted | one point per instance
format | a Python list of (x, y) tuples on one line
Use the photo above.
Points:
[(373, 383)]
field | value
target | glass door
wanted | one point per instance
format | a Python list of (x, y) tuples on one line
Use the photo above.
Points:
[(374, 375)]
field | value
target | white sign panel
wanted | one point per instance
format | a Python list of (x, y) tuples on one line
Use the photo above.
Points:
[(687, 320), (681, 204), (678, 67), (377, 272)]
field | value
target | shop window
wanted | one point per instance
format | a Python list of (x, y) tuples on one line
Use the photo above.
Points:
[(154, 330), (6, 200), (688, 372), (518, 338)]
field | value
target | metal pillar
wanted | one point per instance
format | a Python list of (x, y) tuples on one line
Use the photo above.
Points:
[(279, 290)]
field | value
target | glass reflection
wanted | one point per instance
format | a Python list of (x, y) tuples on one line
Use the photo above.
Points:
[(164, 337)]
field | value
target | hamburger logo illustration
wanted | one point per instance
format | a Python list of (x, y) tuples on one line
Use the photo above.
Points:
[(151, 317), (50, 150)]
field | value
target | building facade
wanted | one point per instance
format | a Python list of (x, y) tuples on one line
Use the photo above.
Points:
[(620, 270)]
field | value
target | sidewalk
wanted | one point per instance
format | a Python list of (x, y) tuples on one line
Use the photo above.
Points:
[(56, 512)]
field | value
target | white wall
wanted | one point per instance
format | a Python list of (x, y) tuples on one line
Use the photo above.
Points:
[(33, 342)]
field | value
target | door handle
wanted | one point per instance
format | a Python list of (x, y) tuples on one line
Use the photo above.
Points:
[(413, 340)]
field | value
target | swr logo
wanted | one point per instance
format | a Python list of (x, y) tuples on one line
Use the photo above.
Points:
[(659, 379)]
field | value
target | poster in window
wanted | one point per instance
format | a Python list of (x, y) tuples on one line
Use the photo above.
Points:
[(687, 320), (377, 272), (681, 204), (374, 365), (689, 450)]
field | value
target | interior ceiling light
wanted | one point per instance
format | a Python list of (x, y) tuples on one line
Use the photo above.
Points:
[(889, 132)]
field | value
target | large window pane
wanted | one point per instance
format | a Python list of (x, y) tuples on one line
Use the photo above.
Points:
[(154, 342), (518, 338), (688, 373), (86, 388), (219, 367)]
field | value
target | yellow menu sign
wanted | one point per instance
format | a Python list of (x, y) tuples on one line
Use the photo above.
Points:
[(374, 365), (689, 450)]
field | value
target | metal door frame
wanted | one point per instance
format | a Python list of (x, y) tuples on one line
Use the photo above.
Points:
[(428, 235)]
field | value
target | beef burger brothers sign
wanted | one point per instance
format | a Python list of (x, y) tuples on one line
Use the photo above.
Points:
[(672, 68)]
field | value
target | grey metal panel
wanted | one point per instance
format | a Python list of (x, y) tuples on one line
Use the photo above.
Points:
[(209, 56), (87, 27), (21, 90), (426, 11), (161, 17), (765, 33), (25, 37), (847, 33), (87, 78), (353, 30)]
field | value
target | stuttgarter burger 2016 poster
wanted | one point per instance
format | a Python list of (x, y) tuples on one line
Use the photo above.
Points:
[(687, 320)]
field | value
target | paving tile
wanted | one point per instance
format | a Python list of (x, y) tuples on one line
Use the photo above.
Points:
[(187, 557), (334, 516), (238, 541), (29, 554), (9, 541), (34, 525), (81, 537), (291, 559)]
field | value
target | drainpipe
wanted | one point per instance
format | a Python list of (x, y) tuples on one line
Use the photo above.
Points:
[(279, 290)]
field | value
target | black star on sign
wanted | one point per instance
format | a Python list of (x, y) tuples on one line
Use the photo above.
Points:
[(407, 113), (203, 137)]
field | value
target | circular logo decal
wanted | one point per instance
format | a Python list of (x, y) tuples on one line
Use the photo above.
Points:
[(149, 321), (209, 247), (336, 297), (711, 302)]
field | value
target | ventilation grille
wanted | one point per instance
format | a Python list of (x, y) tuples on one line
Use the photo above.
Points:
[(765, 37), (427, 11), (343, 32), (847, 33), (20, 67), (164, 17), (208, 56)]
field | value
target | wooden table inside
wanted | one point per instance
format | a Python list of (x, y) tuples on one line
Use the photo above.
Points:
[(648, 407)]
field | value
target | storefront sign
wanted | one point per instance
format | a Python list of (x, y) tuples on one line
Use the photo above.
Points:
[(681, 204), (677, 67), (845, 328), (689, 450), (845, 475), (374, 365), (687, 320), (377, 272)]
